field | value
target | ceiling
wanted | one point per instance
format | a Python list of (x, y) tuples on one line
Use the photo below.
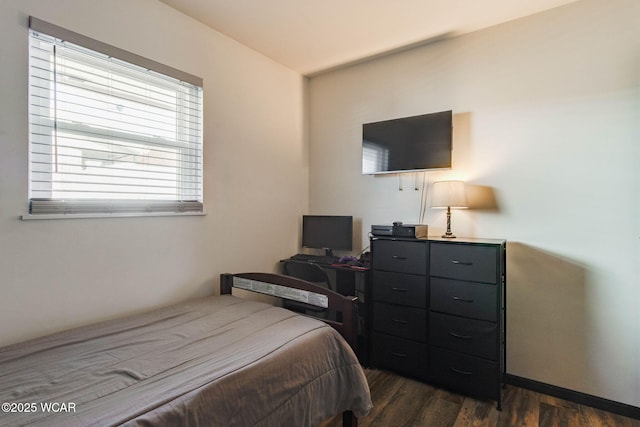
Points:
[(312, 36)]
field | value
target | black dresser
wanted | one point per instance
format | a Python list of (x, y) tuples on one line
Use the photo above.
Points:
[(438, 312)]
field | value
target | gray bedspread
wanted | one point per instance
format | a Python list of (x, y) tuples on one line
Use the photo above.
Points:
[(217, 361)]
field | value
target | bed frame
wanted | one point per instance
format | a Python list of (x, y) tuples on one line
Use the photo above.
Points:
[(290, 288)]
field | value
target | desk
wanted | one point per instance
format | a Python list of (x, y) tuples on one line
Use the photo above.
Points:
[(351, 281)]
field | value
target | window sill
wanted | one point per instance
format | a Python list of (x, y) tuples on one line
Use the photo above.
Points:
[(31, 217)]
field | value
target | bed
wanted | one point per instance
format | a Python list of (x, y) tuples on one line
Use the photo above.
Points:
[(215, 361)]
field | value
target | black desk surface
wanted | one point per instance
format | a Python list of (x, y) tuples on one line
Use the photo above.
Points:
[(336, 266)]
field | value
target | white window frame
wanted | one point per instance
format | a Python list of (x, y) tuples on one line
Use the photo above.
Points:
[(57, 206)]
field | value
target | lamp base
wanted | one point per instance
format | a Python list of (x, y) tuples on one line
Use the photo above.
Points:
[(448, 234)]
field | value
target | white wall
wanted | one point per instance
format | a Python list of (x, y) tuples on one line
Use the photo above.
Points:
[(62, 273), (546, 124)]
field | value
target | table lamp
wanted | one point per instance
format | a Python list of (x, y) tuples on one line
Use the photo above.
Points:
[(449, 194)]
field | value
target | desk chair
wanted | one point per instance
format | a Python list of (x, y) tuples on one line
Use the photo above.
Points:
[(311, 273)]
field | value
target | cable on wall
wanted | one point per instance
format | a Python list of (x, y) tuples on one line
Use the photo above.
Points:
[(423, 198)]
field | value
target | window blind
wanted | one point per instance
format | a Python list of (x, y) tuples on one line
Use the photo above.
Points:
[(109, 135)]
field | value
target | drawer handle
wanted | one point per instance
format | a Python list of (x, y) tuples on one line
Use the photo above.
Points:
[(462, 337), (460, 371), (402, 322), (399, 257), (398, 354), (456, 262), (400, 289), (461, 299)]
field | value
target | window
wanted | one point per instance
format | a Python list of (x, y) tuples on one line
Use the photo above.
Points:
[(110, 132)]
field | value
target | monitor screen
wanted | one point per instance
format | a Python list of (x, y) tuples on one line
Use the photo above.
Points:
[(407, 144), (327, 232)]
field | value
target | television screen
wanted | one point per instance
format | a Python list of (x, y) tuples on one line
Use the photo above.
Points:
[(327, 232), (407, 144)]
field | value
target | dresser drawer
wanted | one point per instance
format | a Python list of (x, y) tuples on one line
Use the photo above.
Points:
[(474, 337), (398, 288), (400, 256), (400, 355), (475, 300), (405, 322), (475, 263), (466, 374)]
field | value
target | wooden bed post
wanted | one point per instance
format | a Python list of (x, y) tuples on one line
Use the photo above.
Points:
[(226, 283), (349, 419), (350, 323)]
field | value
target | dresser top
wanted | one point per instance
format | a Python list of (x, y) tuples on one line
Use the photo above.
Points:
[(467, 240), (476, 240)]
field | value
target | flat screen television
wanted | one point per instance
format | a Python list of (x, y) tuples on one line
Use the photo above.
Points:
[(408, 144), (327, 232)]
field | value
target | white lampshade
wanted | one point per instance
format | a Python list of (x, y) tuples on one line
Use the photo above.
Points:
[(449, 194)]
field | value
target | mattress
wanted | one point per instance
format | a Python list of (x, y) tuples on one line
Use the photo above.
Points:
[(219, 360)]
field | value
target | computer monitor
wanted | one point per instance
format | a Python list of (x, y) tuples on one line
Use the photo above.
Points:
[(327, 232)]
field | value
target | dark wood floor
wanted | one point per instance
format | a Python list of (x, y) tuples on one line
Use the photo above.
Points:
[(400, 401)]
